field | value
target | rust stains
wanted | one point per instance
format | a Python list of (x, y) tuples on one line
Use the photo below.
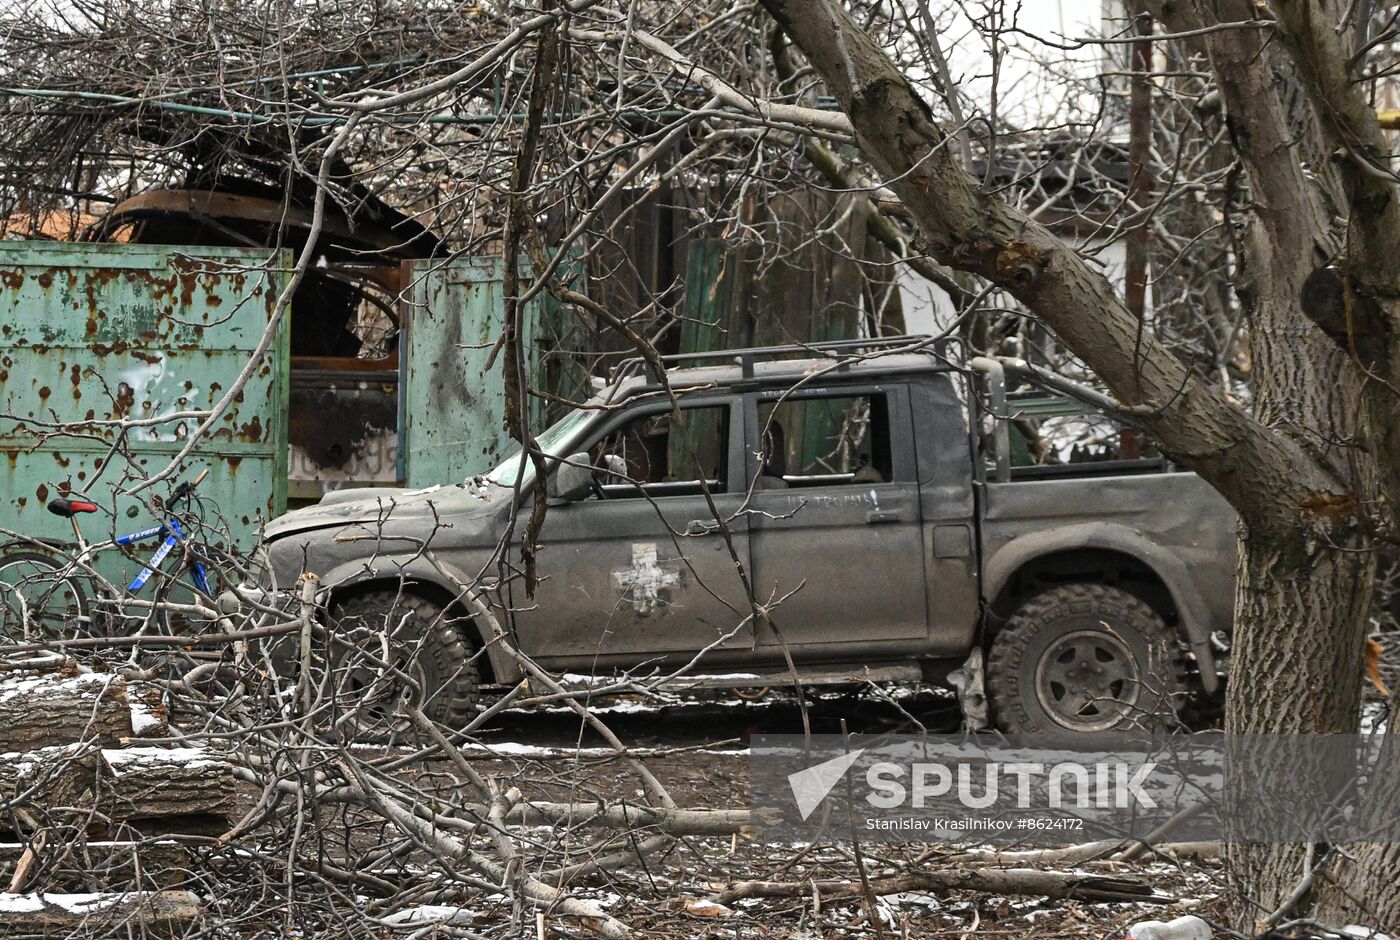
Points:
[(126, 397)]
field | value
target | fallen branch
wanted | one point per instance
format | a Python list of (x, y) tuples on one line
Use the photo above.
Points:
[(1008, 881)]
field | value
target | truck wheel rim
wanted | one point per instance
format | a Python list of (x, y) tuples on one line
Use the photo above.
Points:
[(1088, 680), (380, 702)]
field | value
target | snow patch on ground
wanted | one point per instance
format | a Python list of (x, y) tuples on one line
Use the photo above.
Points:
[(431, 915)]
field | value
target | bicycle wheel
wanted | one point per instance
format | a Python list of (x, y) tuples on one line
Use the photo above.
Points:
[(181, 588), (38, 602)]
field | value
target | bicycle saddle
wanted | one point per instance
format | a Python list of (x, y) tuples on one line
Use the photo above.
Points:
[(67, 507)]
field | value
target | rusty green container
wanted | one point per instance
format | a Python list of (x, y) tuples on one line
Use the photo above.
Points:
[(92, 334)]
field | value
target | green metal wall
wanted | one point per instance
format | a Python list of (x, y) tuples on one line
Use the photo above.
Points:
[(93, 332), (452, 407)]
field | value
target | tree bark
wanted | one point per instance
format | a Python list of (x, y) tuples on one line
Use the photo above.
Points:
[(105, 866), (122, 784), (42, 711)]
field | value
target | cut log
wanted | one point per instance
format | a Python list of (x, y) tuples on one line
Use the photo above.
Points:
[(123, 784), (160, 910), (41, 711), (106, 866), (50, 776), (37, 664), (151, 782)]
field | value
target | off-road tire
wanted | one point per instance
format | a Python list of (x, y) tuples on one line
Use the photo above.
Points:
[(449, 676), (1045, 642)]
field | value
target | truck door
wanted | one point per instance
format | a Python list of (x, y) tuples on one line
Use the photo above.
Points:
[(640, 567), (835, 523)]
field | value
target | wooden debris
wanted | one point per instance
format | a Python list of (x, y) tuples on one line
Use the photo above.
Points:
[(124, 865), (44, 912), (45, 710), (123, 784), (153, 782)]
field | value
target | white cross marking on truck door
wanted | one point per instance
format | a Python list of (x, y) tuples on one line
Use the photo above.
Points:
[(644, 581)]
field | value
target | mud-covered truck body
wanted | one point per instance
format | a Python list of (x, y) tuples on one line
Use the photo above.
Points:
[(861, 513)]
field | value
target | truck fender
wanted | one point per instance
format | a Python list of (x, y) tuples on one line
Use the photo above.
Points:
[(451, 579), (1193, 618)]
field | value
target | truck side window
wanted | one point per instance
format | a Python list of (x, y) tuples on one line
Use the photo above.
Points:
[(824, 441), (655, 455)]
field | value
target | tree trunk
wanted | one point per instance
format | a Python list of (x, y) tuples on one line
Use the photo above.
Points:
[(194, 786), (1300, 622), (47, 914)]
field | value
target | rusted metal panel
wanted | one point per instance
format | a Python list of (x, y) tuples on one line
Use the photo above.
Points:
[(93, 335), (452, 407)]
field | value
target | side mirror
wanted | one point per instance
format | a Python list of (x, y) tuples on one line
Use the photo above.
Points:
[(614, 469), (573, 479)]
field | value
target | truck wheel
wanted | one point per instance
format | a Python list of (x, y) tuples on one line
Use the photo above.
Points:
[(1084, 658), (422, 642)]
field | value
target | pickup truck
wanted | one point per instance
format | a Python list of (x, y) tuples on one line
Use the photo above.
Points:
[(835, 513)]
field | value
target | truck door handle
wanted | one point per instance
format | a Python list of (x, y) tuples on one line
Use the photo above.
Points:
[(882, 517)]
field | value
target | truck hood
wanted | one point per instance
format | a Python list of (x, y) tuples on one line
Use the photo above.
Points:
[(377, 505)]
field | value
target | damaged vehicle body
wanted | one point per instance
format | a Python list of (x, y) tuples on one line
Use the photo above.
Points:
[(839, 513)]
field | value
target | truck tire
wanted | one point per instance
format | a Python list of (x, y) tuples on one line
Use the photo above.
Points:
[(430, 646), (1083, 659)]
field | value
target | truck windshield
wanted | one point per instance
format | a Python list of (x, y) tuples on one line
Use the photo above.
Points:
[(551, 442)]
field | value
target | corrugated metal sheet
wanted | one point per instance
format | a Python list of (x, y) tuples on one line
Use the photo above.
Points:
[(96, 332)]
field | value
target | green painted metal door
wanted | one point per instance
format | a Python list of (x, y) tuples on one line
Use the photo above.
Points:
[(108, 353), (453, 406)]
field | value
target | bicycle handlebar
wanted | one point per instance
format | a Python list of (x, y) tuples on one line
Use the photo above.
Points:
[(185, 488)]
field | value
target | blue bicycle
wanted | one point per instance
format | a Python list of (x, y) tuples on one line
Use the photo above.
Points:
[(50, 590)]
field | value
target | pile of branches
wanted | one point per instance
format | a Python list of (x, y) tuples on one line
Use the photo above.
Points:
[(279, 769)]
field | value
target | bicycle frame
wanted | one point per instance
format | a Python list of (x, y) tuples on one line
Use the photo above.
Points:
[(174, 535)]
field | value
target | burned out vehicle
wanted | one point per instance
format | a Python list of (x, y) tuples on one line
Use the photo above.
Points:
[(844, 512)]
